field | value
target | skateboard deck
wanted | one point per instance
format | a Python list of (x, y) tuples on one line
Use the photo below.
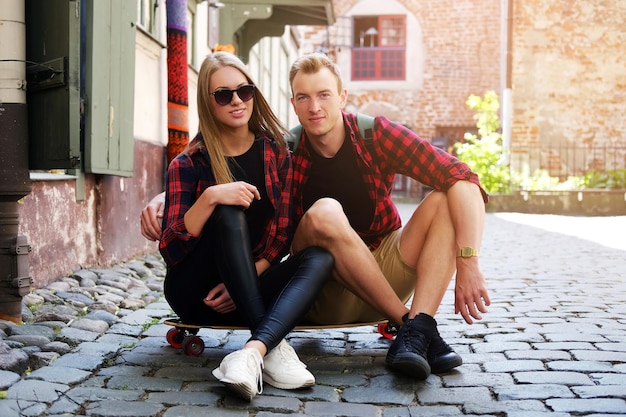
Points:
[(184, 336)]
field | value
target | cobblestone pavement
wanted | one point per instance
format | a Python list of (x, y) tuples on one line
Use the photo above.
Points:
[(553, 342)]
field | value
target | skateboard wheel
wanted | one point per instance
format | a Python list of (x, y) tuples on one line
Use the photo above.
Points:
[(386, 331), (193, 346), (175, 338)]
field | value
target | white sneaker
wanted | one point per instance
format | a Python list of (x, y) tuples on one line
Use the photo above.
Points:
[(284, 370), (242, 372)]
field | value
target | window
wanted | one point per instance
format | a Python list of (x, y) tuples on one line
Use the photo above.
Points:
[(147, 16), (379, 48)]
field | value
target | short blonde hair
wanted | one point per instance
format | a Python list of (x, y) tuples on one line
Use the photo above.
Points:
[(312, 63)]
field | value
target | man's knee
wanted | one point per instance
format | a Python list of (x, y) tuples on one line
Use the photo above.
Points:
[(324, 218)]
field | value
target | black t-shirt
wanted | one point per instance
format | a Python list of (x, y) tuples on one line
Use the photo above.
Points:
[(339, 177), (248, 167)]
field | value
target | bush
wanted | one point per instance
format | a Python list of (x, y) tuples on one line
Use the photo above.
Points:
[(483, 153)]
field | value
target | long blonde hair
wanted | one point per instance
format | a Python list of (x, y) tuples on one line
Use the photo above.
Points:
[(263, 119)]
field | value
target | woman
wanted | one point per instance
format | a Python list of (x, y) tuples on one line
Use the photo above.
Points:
[(226, 227)]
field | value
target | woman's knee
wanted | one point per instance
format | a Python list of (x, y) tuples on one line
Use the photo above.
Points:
[(227, 218), (321, 259)]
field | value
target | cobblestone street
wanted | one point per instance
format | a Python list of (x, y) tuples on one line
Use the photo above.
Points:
[(553, 342)]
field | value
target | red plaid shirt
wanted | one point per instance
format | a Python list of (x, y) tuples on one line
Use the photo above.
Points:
[(189, 174), (394, 149)]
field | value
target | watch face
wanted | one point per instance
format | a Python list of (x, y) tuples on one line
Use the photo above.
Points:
[(468, 252)]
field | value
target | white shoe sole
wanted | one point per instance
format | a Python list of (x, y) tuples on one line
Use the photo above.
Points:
[(243, 390), (281, 385)]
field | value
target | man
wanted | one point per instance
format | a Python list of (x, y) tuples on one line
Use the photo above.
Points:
[(342, 186)]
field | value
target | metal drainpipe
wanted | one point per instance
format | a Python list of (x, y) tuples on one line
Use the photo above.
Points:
[(14, 176)]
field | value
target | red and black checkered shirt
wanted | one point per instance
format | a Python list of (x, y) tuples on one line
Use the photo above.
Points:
[(394, 149), (189, 174)]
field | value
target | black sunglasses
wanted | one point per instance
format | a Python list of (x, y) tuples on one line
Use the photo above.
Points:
[(225, 96)]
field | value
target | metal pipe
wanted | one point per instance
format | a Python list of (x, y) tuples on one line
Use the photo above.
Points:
[(14, 176)]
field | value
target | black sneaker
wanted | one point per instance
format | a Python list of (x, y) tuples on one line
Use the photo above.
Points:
[(408, 353), (441, 357)]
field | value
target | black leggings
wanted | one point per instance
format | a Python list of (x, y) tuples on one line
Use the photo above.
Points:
[(270, 304)]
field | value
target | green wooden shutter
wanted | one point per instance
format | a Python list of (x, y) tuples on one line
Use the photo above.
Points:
[(109, 86), (53, 94)]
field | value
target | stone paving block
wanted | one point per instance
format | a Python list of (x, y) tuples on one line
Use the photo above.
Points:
[(317, 392), (599, 355), (323, 409), (452, 396), (499, 347), (61, 375), (124, 370), (115, 408), (184, 398), (499, 407), (64, 406), (601, 391), (514, 366), (514, 337), (385, 389), (185, 373), (143, 383), (538, 354), (432, 411), (613, 347), (193, 411), (8, 378), (482, 379), (118, 339), (72, 335), (553, 377), (532, 391), (581, 366), (21, 408), (85, 394), (126, 329), (575, 337), (592, 405), (75, 360), (609, 379), (33, 390), (564, 346)]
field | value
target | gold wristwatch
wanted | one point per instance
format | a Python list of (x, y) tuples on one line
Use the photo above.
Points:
[(466, 252)]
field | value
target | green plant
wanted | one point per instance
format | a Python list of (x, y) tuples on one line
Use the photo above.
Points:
[(483, 152)]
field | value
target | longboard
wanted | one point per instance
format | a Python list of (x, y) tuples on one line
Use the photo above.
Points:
[(184, 336)]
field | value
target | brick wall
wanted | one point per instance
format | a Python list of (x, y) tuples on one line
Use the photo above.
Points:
[(460, 47), (569, 76)]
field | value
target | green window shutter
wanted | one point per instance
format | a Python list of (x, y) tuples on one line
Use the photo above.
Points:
[(53, 93), (109, 86)]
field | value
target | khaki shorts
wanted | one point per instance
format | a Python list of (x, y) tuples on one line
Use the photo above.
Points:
[(337, 305)]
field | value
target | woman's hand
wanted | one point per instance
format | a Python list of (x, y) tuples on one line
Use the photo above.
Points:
[(219, 300), (238, 193)]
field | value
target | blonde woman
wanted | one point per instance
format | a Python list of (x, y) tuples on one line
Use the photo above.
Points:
[(226, 228)]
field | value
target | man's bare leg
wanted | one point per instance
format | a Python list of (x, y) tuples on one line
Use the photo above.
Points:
[(326, 225), (428, 242)]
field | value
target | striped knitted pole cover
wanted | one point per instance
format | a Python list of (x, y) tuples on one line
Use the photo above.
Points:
[(177, 94)]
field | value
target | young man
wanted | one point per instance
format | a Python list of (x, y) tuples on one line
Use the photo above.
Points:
[(342, 187)]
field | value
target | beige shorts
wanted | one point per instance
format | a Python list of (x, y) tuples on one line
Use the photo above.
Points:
[(337, 305)]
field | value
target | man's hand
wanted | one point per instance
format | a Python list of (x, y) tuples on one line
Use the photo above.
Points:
[(219, 299), (151, 217), (470, 292)]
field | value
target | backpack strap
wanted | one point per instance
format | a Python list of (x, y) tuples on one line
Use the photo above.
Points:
[(293, 138), (364, 121)]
